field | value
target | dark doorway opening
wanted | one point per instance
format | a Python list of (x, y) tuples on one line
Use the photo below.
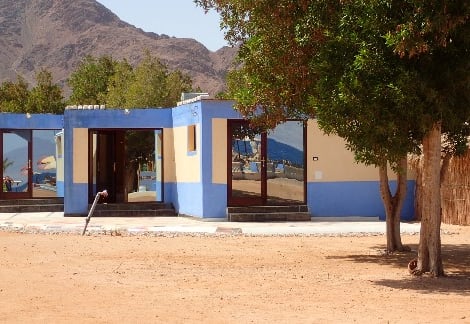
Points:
[(127, 163)]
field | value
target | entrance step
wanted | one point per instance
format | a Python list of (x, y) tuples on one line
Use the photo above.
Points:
[(32, 205), (268, 213), (146, 209)]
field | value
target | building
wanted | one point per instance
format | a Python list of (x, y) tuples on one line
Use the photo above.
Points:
[(200, 156)]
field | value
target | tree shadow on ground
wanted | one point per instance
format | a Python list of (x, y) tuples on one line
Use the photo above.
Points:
[(456, 259)]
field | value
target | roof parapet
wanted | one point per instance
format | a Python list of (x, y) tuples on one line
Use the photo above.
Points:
[(190, 97), (85, 107)]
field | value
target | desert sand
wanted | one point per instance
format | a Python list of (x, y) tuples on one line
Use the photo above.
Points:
[(176, 278)]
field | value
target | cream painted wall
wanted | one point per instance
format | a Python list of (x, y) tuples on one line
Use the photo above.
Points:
[(187, 165), (169, 155), (80, 155), (335, 163), (219, 151)]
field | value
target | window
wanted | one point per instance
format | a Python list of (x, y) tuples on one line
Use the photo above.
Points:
[(191, 138)]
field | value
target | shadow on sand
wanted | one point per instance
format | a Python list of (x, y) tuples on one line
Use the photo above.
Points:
[(456, 259)]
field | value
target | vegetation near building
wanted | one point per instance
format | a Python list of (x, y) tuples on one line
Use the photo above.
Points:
[(390, 77), (99, 81), (117, 84), (45, 97), (104, 81)]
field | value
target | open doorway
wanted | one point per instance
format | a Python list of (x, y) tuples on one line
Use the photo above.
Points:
[(127, 163)]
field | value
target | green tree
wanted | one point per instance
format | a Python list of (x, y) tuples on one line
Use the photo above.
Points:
[(385, 75), (153, 85), (435, 36), (45, 97), (89, 82), (177, 82), (363, 95), (119, 84), (148, 86), (14, 96)]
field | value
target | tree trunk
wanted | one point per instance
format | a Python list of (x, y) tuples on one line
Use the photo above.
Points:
[(131, 178), (429, 251), (393, 205), (418, 190)]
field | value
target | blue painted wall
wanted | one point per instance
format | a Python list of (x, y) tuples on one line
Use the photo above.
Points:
[(184, 115), (35, 121), (76, 194), (358, 198), (75, 198), (204, 199), (118, 118), (60, 188), (214, 195)]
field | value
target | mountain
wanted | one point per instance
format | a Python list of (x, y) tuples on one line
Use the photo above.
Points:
[(276, 151), (58, 34)]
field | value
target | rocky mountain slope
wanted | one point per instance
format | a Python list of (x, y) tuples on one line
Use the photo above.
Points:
[(57, 34)]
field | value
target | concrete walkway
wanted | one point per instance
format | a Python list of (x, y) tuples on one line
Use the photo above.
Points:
[(55, 222)]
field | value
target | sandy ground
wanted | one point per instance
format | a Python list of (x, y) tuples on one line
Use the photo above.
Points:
[(142, 196), (43, 193), (227, 279)]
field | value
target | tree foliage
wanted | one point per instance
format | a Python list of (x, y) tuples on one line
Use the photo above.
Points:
[(274, 69), (118, 84), (153, 85), (44, 97), (381, 74), (14, 96), (89, 82)]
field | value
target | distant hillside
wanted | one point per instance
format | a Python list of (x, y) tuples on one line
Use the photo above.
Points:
[(57, 34), (277, 151)]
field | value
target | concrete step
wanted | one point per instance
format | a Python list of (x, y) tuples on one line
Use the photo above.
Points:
[(32, 208), (269, 217), (133, 206), (267, 209), (147, 209), (268, 213), (32, 201), (32, 205)]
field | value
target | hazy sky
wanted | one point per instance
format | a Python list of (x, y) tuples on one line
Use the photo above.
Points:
[(179, 18)]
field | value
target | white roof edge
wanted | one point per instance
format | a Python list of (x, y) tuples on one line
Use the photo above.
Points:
[(188, 101)]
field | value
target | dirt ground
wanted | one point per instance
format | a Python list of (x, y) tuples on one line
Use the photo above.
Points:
[(227, 279)]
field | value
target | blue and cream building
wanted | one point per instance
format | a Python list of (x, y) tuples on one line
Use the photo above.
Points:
[(200, 156)]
